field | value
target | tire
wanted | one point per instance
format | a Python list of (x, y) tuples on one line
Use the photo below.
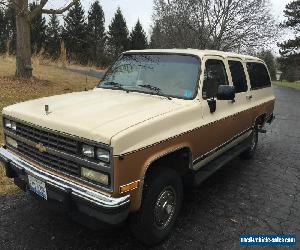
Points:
[(161, 204), (250, 152)]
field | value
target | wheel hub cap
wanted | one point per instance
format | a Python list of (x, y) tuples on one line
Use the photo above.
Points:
[(164, 208)]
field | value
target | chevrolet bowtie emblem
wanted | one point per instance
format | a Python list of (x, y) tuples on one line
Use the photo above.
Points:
[(41, 147)]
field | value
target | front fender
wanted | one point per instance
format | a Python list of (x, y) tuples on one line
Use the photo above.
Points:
[(134, 166)]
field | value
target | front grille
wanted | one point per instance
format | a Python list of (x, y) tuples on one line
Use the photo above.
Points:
[(48, 139), (49, 160), (54, 151)]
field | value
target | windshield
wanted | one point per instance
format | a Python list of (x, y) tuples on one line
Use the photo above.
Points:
[(170, 75)]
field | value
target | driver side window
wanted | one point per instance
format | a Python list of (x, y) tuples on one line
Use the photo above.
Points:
[(214, 76)]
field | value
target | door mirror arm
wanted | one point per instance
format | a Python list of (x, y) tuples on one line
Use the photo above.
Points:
[(212, 103)]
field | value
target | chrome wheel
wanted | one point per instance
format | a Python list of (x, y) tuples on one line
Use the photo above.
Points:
[(165, 208)]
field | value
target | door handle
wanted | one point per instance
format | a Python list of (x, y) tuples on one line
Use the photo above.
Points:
[(249, 97)]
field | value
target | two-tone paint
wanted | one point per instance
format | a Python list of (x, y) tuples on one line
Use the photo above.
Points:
[(142, 128)]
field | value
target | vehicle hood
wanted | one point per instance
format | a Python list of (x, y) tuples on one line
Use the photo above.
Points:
[(96, 115)]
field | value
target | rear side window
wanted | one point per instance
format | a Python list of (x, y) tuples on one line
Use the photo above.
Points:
[(238, 76), (259, 77), (214, 75)]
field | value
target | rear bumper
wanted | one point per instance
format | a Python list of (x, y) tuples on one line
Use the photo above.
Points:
[(71, 195)]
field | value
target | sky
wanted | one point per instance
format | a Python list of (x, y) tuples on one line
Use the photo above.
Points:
[(132, 10), (278, 6), (143, 9)]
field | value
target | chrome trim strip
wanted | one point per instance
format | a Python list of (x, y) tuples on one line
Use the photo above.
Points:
[(79, 191), (211, 152)]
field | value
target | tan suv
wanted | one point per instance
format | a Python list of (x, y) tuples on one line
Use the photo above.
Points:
[(159, 120)]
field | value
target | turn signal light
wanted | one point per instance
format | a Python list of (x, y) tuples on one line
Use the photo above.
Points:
[(129, 187)]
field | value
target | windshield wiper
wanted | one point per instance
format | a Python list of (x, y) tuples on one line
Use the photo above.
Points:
[(154, 88), (116, 85), (151, 87)]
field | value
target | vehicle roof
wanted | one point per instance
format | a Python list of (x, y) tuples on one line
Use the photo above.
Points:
[(200, 53)]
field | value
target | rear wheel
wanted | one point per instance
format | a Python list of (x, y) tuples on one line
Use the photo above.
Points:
[(162, 198), (250, 152)]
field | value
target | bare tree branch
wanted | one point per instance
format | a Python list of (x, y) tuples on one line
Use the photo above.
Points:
[(230, 25), (59, 11), (38, 10)]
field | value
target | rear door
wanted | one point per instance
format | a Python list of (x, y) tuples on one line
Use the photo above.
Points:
[(262, 97), (239, 79)]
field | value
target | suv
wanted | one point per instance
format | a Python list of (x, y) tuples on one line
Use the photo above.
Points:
[(159, 120)]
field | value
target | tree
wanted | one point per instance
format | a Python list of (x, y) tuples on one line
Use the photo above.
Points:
[(156, 36), (10, 35), (138, 38), (24, 17), (53, 38), (269, 59), (38, 31), (75, 34), (96, 34), (229, 25), (2, 31), (290, 50), (117, 35)]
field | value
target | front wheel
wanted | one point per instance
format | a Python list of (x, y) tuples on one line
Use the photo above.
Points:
[(250, 152), (162, 198)]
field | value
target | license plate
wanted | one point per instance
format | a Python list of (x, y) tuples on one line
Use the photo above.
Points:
[(38, 187)]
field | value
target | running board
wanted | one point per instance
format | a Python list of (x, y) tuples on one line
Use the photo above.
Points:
[(206, 171)]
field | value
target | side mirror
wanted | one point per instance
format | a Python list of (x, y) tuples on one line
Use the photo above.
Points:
[(226, 92)]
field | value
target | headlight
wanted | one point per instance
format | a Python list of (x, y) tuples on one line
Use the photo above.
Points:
[(103, 155), (95, 176), (96, 153), (13, 126), (10, 124), (7, 123), (10, 141), (88, 151)]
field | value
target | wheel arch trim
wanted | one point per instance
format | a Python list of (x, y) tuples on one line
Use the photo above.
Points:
[(160, 155)]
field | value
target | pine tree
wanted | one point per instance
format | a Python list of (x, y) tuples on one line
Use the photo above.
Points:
[(96, 34), (38, 31), (75, 34), (138, 38), (290, 50), (117, 35), (53, 36), (156, 37)]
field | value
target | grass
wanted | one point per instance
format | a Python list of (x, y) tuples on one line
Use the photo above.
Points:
[(47, 81), (294, 85)]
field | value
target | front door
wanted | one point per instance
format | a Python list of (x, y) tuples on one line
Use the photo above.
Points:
[(223, 123)]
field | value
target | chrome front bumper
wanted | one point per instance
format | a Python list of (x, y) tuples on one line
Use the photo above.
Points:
[(75, 191)]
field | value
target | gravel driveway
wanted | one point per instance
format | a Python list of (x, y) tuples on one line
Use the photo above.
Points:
[(256, 196)]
